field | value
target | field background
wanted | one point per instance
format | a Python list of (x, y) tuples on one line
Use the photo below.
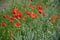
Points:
[(40, 28)]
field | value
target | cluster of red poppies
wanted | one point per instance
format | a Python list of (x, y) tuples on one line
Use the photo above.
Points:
[(19, 15), (41, 11), (53, 18)]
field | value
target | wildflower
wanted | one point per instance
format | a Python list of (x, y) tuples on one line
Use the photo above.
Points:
[(15, 15), (18, 17), (30, 6), (11, 19), (58, 16), (20, 14), (43, 14), (33, 15), (4, 16), (52, 19), (28, 13), (36, 15), (40, 11), (58, 6), (3, 23), (15, 11), (17, 24), (11, 35), (40, 7)]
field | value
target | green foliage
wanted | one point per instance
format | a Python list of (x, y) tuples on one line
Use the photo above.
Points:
[(40, 28)]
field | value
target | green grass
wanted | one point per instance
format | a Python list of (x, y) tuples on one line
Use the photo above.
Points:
[(40, 28)]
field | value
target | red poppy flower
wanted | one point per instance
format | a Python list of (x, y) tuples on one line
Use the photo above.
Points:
[(28, 13), (58, 16), (36, 15), (52, 19), (4, 16), (58, 6), (15, 15), (3, 23), (20, 14), (43, 14), (40, 7), (30, 6), (11, 19), (33, 15), (17, 24), (18, 17), (11, 35), (40, 11), (15, 11)]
